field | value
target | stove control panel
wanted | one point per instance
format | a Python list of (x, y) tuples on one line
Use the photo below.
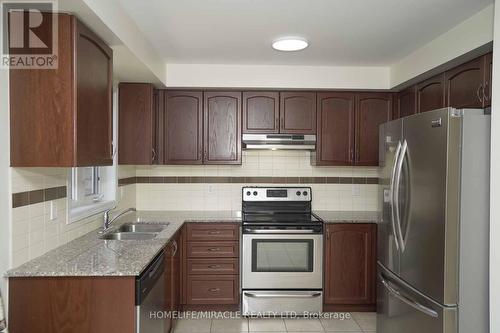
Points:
[(277, 194)]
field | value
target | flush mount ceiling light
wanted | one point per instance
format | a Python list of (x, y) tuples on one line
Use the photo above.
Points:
[(288, 44)]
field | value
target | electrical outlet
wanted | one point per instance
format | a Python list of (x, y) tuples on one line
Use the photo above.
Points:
[(53, 210), (211, 189)]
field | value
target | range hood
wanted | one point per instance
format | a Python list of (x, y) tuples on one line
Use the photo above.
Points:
[(279, 141)]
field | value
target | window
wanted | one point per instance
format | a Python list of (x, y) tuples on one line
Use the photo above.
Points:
[(91, 191)]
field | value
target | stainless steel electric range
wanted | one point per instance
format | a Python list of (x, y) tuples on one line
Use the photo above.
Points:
[(282, 252)]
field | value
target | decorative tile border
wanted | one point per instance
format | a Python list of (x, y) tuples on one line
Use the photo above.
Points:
[(32, 197), (247, 180)]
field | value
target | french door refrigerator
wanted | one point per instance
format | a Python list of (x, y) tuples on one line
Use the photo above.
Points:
[(433, 242)]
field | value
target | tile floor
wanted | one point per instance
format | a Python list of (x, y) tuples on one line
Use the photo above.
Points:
[(356, 322)]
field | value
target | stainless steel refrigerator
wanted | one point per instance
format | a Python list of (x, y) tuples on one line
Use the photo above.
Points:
[(433, 242)]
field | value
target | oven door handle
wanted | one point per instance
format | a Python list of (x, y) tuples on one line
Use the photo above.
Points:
[(274, 231), (253, 295)]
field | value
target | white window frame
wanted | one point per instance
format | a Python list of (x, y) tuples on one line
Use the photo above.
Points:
[(104, 186)]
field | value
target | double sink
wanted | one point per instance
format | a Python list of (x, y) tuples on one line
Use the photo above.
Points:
[(135, 231)]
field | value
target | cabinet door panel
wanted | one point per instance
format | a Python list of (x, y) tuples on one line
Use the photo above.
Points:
[(335, 129), (260, 112), (430, 94), (406, 103), (488, 75), (222, 128), (298, 112), (135, 124), (372, 110), (94, 116), (350, 259), (183, 133), (464, 85)]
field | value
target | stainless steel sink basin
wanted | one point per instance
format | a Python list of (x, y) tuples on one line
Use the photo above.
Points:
[(129, 236), (142, 227)]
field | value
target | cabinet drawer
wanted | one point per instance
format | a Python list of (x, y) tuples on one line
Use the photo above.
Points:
[(212, 289), (212, 266), (212, 231), (212, 250)]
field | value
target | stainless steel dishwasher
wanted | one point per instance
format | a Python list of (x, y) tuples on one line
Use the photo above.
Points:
[(150, 298)]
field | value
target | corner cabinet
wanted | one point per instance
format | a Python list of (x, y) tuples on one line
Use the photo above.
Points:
[(406, 103), (63, 117), (372, 110), (136, 124), (350, 267), (222, 128)]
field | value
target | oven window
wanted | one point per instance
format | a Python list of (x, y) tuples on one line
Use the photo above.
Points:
[(282, 255)]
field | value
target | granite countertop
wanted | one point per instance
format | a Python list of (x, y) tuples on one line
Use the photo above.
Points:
[(91, 256), (329, 216)]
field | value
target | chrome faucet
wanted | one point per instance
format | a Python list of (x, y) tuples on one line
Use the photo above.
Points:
[(107, 222)]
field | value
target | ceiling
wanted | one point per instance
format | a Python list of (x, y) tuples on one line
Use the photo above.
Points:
[(340, 32)]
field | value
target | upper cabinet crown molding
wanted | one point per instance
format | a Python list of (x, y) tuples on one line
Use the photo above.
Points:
[(63, 117)]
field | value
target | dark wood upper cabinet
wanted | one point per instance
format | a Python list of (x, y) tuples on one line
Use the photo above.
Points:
[(261, 112), (136, 124), (183, 132), (406, 103), (222, 127), (63, 117), (372, 110), (430, 94), (465, 85), (335, 129), (350, 266), (488, 68), (298, 112)]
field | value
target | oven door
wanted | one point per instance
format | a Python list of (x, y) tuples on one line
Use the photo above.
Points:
[(282, 261)]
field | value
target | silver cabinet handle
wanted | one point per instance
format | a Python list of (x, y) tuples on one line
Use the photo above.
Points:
[(214, 290), (399, 168), (485, 89), (212, 249), (214, 232), (393, 176), (478, 93), (176, 247), (253, 295), (153, 155), (214, 266), (407, 300)]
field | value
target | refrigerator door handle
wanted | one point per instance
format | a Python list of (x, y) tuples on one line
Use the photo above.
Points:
[(407, 300), (399, 170), (393, 176)]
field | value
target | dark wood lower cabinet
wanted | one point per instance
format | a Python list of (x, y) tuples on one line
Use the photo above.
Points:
[(350, 267), (210, 261), (72, 304)]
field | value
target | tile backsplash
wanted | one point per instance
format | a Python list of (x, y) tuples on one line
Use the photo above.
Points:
[(33, 232), (220, 195)]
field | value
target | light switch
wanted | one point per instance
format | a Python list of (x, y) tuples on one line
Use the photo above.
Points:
[(356, 190)]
